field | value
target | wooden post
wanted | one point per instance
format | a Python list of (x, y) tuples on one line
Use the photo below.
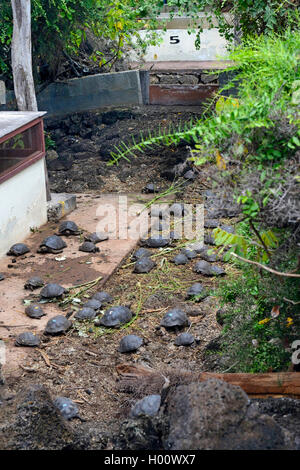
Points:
[(21, 56), (2, 92)]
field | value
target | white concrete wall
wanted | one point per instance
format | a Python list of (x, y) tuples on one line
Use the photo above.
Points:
[(178, 45), (22, 205)]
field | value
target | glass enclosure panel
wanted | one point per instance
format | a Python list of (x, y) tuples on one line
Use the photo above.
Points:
[(22, 146)]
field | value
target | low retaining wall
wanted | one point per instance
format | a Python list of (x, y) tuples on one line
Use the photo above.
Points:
[(158, 83), (92, 92), (89, 93)]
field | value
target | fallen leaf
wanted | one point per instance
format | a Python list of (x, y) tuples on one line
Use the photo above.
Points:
[(220, 161), (275, 311)]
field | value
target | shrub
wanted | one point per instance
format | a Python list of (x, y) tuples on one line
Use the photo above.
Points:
[(60, 26), (252, 339)]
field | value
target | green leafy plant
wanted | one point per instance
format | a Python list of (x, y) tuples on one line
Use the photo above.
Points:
[(243, 246), (60, 27), (260, 321)]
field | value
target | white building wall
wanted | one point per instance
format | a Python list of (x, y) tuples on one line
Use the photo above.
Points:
[(23, 205), (179, 45)]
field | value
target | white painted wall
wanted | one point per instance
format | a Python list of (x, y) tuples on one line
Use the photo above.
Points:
[(179, 45), (22, 205)]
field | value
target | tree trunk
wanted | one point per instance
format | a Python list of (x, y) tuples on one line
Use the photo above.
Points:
[(21, 56), (237, 30)]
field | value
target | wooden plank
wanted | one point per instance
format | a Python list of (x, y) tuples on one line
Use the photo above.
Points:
[(182, 95), (281, 384), (183, 66)]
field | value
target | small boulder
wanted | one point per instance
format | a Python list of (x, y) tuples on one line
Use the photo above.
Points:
[(147, 406), (215, 415)]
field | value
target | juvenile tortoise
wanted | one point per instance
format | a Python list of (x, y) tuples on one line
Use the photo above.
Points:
[(52, 244), (96, 237), (52, 290), (34, 311), (27, 339), (34, 283), (57, 325), (89, 247), (18, 249), (67, 228)]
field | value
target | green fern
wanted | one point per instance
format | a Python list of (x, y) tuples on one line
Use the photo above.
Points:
[(162, 137)]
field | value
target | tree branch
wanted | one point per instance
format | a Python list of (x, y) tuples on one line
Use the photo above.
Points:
[(265, 267)]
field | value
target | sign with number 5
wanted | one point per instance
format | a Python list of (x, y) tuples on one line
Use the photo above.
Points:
[(174, 40)]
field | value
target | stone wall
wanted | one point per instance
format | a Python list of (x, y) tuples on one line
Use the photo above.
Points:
[(192, 78)]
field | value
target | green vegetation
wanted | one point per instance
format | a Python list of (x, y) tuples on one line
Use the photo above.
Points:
[(247, 17), (60, 27), (267, 77), (260, 320)]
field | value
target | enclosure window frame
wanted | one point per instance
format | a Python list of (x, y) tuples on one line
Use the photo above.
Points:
[(32, 158)]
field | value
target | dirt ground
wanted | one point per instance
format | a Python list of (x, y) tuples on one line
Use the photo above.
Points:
[(84, 147), (81, 364)]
